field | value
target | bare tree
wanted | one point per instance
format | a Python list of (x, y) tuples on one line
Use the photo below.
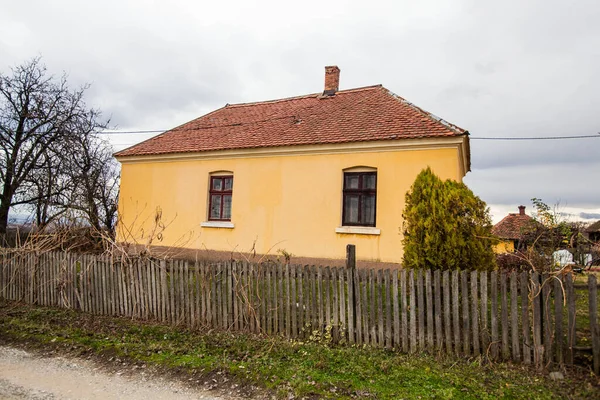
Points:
[(95, 177), (78, 185), (37, 113), (48, 189)]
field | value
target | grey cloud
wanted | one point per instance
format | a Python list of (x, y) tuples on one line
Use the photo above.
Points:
[(563, 184), (457, 91), (495, 154), (586, 215), (485, 68)]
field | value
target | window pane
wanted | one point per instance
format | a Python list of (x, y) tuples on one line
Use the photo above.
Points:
[(217, 184), (215, 206), (226, 207), (368, 210), (351, 182), (369, 181), (228, 183), (351, 209)]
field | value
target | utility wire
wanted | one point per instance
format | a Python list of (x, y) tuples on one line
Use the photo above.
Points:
[(128, 132), (471, 137), (535, 137), (200, 127)]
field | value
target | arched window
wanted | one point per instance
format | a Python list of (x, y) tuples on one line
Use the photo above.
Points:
[(220, 196)]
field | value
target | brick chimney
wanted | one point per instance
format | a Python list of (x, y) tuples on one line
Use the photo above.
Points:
[(521, 210), (332, 80)]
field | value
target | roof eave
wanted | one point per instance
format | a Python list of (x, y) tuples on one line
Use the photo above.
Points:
[(316, 148), (467, 144)]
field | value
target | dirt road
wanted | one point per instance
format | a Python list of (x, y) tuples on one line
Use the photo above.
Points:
[(25, 375)]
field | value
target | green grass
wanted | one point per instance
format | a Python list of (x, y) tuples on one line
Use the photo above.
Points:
[(307, 369)]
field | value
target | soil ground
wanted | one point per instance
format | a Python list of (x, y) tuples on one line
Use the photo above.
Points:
[(31, 375)]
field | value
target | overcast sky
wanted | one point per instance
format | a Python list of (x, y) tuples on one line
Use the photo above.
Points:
[(499, 69)]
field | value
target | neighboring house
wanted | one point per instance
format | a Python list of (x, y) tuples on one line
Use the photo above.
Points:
[(593, 232), (511, 229), (306, 174)]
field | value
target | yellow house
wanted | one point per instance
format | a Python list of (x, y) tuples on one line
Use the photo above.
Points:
[(306, 175), (511, 229)]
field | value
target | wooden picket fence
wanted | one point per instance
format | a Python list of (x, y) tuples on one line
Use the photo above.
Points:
[(523, 317)]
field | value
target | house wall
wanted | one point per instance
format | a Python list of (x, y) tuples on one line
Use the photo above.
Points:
[(504, 246), (280, 201)]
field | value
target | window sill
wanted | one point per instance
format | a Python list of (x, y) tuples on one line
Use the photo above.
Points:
[(217, 224), (358, 230)]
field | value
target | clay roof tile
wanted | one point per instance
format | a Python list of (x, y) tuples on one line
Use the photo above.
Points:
[(513, 226), (354, 115)]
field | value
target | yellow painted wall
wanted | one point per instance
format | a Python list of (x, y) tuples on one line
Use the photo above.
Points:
[(291, 202), (504, 246)]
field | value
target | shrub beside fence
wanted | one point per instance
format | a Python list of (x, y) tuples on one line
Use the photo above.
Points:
[(524, 317)]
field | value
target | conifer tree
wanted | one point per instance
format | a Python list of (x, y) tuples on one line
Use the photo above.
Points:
[(446, 226)]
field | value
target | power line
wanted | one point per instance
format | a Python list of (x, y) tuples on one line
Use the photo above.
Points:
[(471, 137), (199, 127), (535, 137), (128, 132)]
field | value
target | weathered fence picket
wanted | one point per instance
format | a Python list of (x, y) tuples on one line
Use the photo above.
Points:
[(447, 315), (475, 313), (455, 311), (396, 309), (504, 316), (464, 276), (420, 310), (413, 312), (439, 341), (595, 328), (485, 335), (429, 302), (570, 318), (514, 318)]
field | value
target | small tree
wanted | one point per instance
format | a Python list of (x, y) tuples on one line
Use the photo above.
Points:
[(446, 226)]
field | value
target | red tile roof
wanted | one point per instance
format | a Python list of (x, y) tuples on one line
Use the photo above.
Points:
[(595, 227), (513, 226), (355, 115)]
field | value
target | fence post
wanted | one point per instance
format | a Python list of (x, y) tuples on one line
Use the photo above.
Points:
[(570, 317), (538, 347), (593, 288), (350, 268)]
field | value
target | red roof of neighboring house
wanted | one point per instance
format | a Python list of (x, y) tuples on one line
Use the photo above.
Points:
[(595, 227), (513, 225), (355, 115)]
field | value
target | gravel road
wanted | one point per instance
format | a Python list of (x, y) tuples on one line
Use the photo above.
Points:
[(25, 375)]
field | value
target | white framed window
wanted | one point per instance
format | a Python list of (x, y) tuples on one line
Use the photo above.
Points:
[(359, 201), (220, 200)]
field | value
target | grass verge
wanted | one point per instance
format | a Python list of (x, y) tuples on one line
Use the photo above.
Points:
[(301, 369)]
